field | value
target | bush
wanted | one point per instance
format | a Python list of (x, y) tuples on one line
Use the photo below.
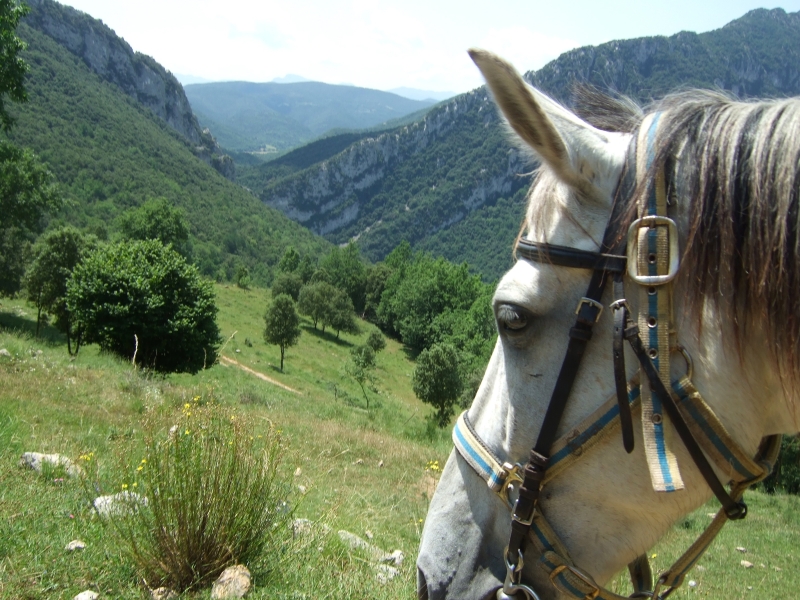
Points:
[(376, 341), (145, 291), (282, 324), (214, 498)]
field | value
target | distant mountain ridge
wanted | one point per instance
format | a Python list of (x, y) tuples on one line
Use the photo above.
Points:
[(249, 117), (422, 181)]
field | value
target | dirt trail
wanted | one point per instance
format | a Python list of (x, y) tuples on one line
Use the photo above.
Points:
[(229, 361)]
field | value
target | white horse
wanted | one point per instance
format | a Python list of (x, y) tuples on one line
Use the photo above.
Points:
[(733, 190)]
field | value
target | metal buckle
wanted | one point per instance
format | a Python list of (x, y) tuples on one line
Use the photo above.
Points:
[(512, 477), (590, 302), (513, 583), (585, 577), (651, 221)]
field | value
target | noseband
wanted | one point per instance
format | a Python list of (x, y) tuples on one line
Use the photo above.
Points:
[(649, 254)]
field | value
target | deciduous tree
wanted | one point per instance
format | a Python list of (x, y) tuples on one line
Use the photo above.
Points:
[(282, 323), (56, 254), (437, 381)]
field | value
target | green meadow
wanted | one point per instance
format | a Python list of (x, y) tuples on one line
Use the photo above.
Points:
[(367, 471)]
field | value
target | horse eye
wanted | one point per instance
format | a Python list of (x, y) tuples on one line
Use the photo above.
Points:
[(511, 318)]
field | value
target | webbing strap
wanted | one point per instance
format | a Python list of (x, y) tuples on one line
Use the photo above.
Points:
[(655, 316)]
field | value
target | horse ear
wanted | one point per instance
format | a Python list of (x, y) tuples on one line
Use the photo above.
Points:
[(561, 139)]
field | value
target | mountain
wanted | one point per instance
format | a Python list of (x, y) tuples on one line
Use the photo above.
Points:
[(109, 151), (415, 94), (450, 182), (251, 117), (136, 74)]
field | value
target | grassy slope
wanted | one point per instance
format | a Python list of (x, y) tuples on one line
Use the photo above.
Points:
[(49, 403), (109, 154)]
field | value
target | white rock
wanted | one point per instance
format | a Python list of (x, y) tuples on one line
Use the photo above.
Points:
[(301, 489), (87, 595), (700, 568), (692, 583), (298, 471), (120, 504), (746, 564), (369, 534), (75, 545), (360, 461), (4, 352), (162, 593), (380, 464), (386, 574), (173, 432), (233, 583), (778, 569), (37, 460), (397, 557), (741, 549)]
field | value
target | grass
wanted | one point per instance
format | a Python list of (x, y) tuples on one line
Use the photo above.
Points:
[(363, 470)]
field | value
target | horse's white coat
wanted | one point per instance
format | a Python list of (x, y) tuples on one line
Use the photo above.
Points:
[(603, 508)]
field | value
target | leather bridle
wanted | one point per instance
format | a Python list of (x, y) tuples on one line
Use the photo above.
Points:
[(611, 261)]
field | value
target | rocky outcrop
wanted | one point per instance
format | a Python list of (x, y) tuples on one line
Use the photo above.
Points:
[(332, 194), (756, 55), (137, 75)]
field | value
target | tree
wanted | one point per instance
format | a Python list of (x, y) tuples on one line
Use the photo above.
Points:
[(289, 284), (157, 219), (242, 276), (313, 301), (289, 261), (282, 324), (340, 314), (306, 269), (26, 188), (360, 367), (437, 381), (143, 301), (27, 191), (12, 67), (347, 272), (56, 254)]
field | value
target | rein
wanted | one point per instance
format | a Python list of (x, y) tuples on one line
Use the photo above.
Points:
[(649, 254)]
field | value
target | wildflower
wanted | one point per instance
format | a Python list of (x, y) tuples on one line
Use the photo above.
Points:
[(144, 461), (186, 432), (139, 468), (124, 486), (135, 483), (654, 555), (187, 406)]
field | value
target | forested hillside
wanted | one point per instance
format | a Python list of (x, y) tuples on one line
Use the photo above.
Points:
[(248, 116), (449, 183), (110, 153)]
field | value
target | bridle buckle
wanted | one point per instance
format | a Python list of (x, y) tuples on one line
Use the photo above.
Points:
[(651, 221)]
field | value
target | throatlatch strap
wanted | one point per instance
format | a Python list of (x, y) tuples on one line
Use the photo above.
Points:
[(655, 316)]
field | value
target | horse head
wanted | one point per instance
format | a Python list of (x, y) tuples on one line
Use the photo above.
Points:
[(603, 507)]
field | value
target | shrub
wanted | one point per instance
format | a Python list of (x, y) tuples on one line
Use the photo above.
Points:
[(376, 341), (145, 291), (360, 367), (214, 498)]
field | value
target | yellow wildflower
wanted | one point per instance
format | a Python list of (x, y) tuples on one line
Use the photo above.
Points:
[(124, 486)]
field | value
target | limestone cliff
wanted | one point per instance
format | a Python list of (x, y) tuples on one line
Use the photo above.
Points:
[(136, 74)]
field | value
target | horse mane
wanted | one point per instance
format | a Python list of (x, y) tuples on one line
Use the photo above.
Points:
[(735, 166)]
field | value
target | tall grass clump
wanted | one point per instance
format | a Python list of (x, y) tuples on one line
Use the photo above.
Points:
[(214, 498)]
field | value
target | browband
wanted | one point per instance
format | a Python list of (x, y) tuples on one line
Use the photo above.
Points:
[(564, 256)]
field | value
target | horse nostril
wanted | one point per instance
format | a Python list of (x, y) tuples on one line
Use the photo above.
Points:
[(422, 585)]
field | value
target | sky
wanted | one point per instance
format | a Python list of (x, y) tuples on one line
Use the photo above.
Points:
[(383, 45)]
